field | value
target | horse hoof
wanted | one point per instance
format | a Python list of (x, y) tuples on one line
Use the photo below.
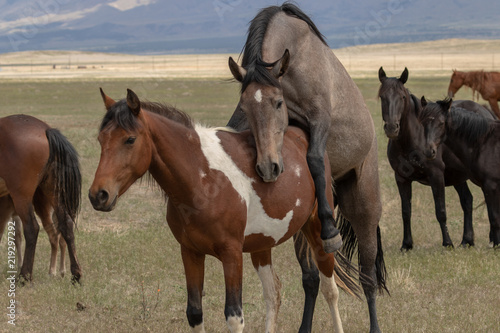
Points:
[(333, 244)]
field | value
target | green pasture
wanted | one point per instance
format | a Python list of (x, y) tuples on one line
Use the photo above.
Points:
[(133, 279)]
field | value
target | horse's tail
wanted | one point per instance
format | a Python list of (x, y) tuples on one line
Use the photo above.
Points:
[(350, 244), (63, 161)]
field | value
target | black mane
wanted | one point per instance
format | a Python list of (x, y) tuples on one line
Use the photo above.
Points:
[(465, 124), (468, 125), (120, 114), (252, 51)]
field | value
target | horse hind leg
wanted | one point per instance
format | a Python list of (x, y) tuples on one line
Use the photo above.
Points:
[(466, 202), (326, 265), (43, 209), (18, 239), (310, 280), (65, 226), (271, 287)]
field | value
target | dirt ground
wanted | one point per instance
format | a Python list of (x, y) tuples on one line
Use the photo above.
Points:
[(434, 58)]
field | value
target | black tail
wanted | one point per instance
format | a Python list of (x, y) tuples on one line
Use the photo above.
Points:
[(63, 160), (350, 245)]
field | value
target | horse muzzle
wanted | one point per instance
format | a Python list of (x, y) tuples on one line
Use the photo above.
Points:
[(269, 172), (101, 201), (391, 130)]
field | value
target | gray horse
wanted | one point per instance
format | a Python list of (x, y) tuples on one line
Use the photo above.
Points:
[(290, 75)]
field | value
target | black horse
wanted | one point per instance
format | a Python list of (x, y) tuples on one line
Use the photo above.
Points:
[(400, 112), (474, 140)]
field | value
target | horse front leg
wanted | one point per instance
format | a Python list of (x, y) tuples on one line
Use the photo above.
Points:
[(494, 106), (194, 267), (310, 280), (271, 286), (438, 192), (330, 235), (405, 194), (466, 202), (232, 262)]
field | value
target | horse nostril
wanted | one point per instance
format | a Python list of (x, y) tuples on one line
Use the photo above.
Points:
[(102, 196), (276, 170), (259, 171)]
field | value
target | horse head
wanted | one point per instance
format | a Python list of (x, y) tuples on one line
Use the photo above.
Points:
[(456, 82), (263, 104), (433, 118), (126, 151), (395, 99)]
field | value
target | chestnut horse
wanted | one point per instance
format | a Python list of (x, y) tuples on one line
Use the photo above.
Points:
[(40, 172), (485, 83), (400, 112), (474, 140), (217, 204), (287, 61)]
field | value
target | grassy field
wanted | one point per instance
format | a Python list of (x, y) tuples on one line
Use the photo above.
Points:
[(133, 277)]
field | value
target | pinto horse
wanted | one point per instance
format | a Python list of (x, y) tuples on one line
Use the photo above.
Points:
[(485, 83), (400, 112), (217, 204), (474, 140), (40, 172), (286, 60)]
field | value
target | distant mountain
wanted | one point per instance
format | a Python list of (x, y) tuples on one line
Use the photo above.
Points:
[(210, 26)]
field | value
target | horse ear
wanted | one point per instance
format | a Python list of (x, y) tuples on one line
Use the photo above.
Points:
[(281, 66), (133, 102), (404, 76), (237, 71), (423, 101), (108, 101), (381, 74), (446, 104)]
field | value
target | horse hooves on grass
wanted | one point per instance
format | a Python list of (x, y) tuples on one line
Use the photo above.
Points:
[(333, 244)]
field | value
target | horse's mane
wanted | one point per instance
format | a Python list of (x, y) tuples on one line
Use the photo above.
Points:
[(464, 123), (468, 125), (252, 51), (123, 117)]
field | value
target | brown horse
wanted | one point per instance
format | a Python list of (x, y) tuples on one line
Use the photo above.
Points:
[(485, 83), (217, 204), (287, 61), (474, 140), (40, 172)]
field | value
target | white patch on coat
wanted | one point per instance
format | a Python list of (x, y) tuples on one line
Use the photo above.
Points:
[(202, 174), (297, 203), (298, 171), (258, 96), (258, 222)]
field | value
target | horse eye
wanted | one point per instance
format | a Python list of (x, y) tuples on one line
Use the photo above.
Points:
[(279, 104), (130, 140)]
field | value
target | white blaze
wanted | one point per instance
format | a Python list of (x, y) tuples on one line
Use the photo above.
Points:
[(258, 95)]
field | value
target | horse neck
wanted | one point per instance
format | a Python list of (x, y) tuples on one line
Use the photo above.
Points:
[(177, 157), (411, 129)]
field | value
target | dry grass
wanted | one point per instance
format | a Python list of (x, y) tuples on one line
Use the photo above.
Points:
[(128, 253)]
